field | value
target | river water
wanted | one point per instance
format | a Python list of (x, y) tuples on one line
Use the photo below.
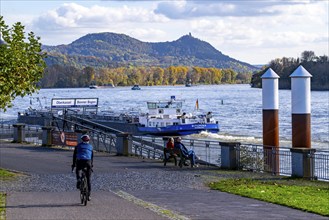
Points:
[(238, 108)]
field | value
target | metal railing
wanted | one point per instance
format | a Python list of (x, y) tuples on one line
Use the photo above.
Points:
[(33, 134), (103, 142), (254, 158), (149, 147), (321, 164), (6, 131), (249, 156)]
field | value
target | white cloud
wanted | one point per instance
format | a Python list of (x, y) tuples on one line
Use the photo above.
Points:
[(147, 34), (191, 9), (72, 15)]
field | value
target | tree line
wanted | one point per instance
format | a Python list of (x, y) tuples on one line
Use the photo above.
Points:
[(57, 76), (317, 66)]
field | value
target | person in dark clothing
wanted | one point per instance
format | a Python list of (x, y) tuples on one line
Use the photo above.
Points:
[(186, 153), (83, 157)]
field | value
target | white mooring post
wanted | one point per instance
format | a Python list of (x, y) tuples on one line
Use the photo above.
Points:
[(270, 99), (302, 154), (301, 108)]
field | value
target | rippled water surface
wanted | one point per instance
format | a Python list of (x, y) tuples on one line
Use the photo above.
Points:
[(238, 108)]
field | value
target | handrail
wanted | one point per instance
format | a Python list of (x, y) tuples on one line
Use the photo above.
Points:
[(250, 156)]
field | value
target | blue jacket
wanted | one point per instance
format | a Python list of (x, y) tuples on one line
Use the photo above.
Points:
[(179, 145), (83, 151)]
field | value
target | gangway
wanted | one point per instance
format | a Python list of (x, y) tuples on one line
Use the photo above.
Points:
[(104, 137)]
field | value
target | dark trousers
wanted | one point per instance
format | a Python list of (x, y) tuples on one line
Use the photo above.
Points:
[(81, 164)]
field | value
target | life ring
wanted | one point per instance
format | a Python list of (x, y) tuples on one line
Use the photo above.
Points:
[(62, 137)]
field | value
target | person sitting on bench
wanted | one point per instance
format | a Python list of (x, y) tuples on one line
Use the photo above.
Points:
[(170, 147), (170, 143), (169, 151), (186, 153)]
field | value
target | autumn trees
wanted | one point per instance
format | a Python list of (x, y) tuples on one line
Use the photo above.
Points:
[(317, 66), (58, 76)]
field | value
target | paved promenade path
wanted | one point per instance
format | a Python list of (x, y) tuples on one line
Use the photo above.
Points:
[(123, 188)]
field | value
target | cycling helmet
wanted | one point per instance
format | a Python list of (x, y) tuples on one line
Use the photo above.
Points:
[(85, 138)]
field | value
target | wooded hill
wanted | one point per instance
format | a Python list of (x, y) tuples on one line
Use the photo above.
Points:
[(111, 50)]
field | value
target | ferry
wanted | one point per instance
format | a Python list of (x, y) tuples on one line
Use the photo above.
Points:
[(167, 118), (163, 118)]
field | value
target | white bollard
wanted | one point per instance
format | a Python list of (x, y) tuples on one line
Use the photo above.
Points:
[(301, 108), (270, 99)]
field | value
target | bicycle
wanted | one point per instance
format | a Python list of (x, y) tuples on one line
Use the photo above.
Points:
[(84, 192)]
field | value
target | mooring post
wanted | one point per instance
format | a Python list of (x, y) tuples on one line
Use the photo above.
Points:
[(47, 135), (301, 108), (303, 163), (124, 144), (302, 155), (270, 99), (19, 133), (230, 155)]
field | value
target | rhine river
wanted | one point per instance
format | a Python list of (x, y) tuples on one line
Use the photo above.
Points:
[(237, 108)]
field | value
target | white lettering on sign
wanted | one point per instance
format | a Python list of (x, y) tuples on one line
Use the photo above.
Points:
[(74, 102), (86, 102), (62, 102)]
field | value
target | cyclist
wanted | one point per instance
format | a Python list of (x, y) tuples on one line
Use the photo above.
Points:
[(83, 157)]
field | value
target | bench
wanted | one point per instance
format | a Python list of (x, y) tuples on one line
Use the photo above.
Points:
[(174, 153)]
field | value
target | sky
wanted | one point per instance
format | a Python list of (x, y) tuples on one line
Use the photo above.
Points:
[(252, 31)]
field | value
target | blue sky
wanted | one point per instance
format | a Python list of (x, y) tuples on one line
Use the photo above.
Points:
[(255, 31)]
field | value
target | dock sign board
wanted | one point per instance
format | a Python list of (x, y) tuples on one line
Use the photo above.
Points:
[(62, 103), (74, 102), (86, 102)]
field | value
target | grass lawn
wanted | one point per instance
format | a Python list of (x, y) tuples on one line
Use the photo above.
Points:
[(306, 195), (4, 175)]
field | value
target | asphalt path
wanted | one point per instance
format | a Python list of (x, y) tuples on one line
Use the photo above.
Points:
[(128, 192)]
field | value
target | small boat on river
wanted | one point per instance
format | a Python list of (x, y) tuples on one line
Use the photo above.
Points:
[(93, 86), (136, 87)]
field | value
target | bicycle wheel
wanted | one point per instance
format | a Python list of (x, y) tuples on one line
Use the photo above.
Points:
[(85, 200), (84, 190)]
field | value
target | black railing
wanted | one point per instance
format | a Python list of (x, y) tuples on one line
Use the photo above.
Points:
[(258, 158)]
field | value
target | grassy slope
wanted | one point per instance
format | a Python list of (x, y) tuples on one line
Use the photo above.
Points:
[(310, 196)]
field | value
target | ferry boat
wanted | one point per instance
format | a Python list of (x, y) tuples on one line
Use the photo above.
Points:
[(166, 118), (163, 118)]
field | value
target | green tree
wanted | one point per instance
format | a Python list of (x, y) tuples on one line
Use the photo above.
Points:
[(21, 63)]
